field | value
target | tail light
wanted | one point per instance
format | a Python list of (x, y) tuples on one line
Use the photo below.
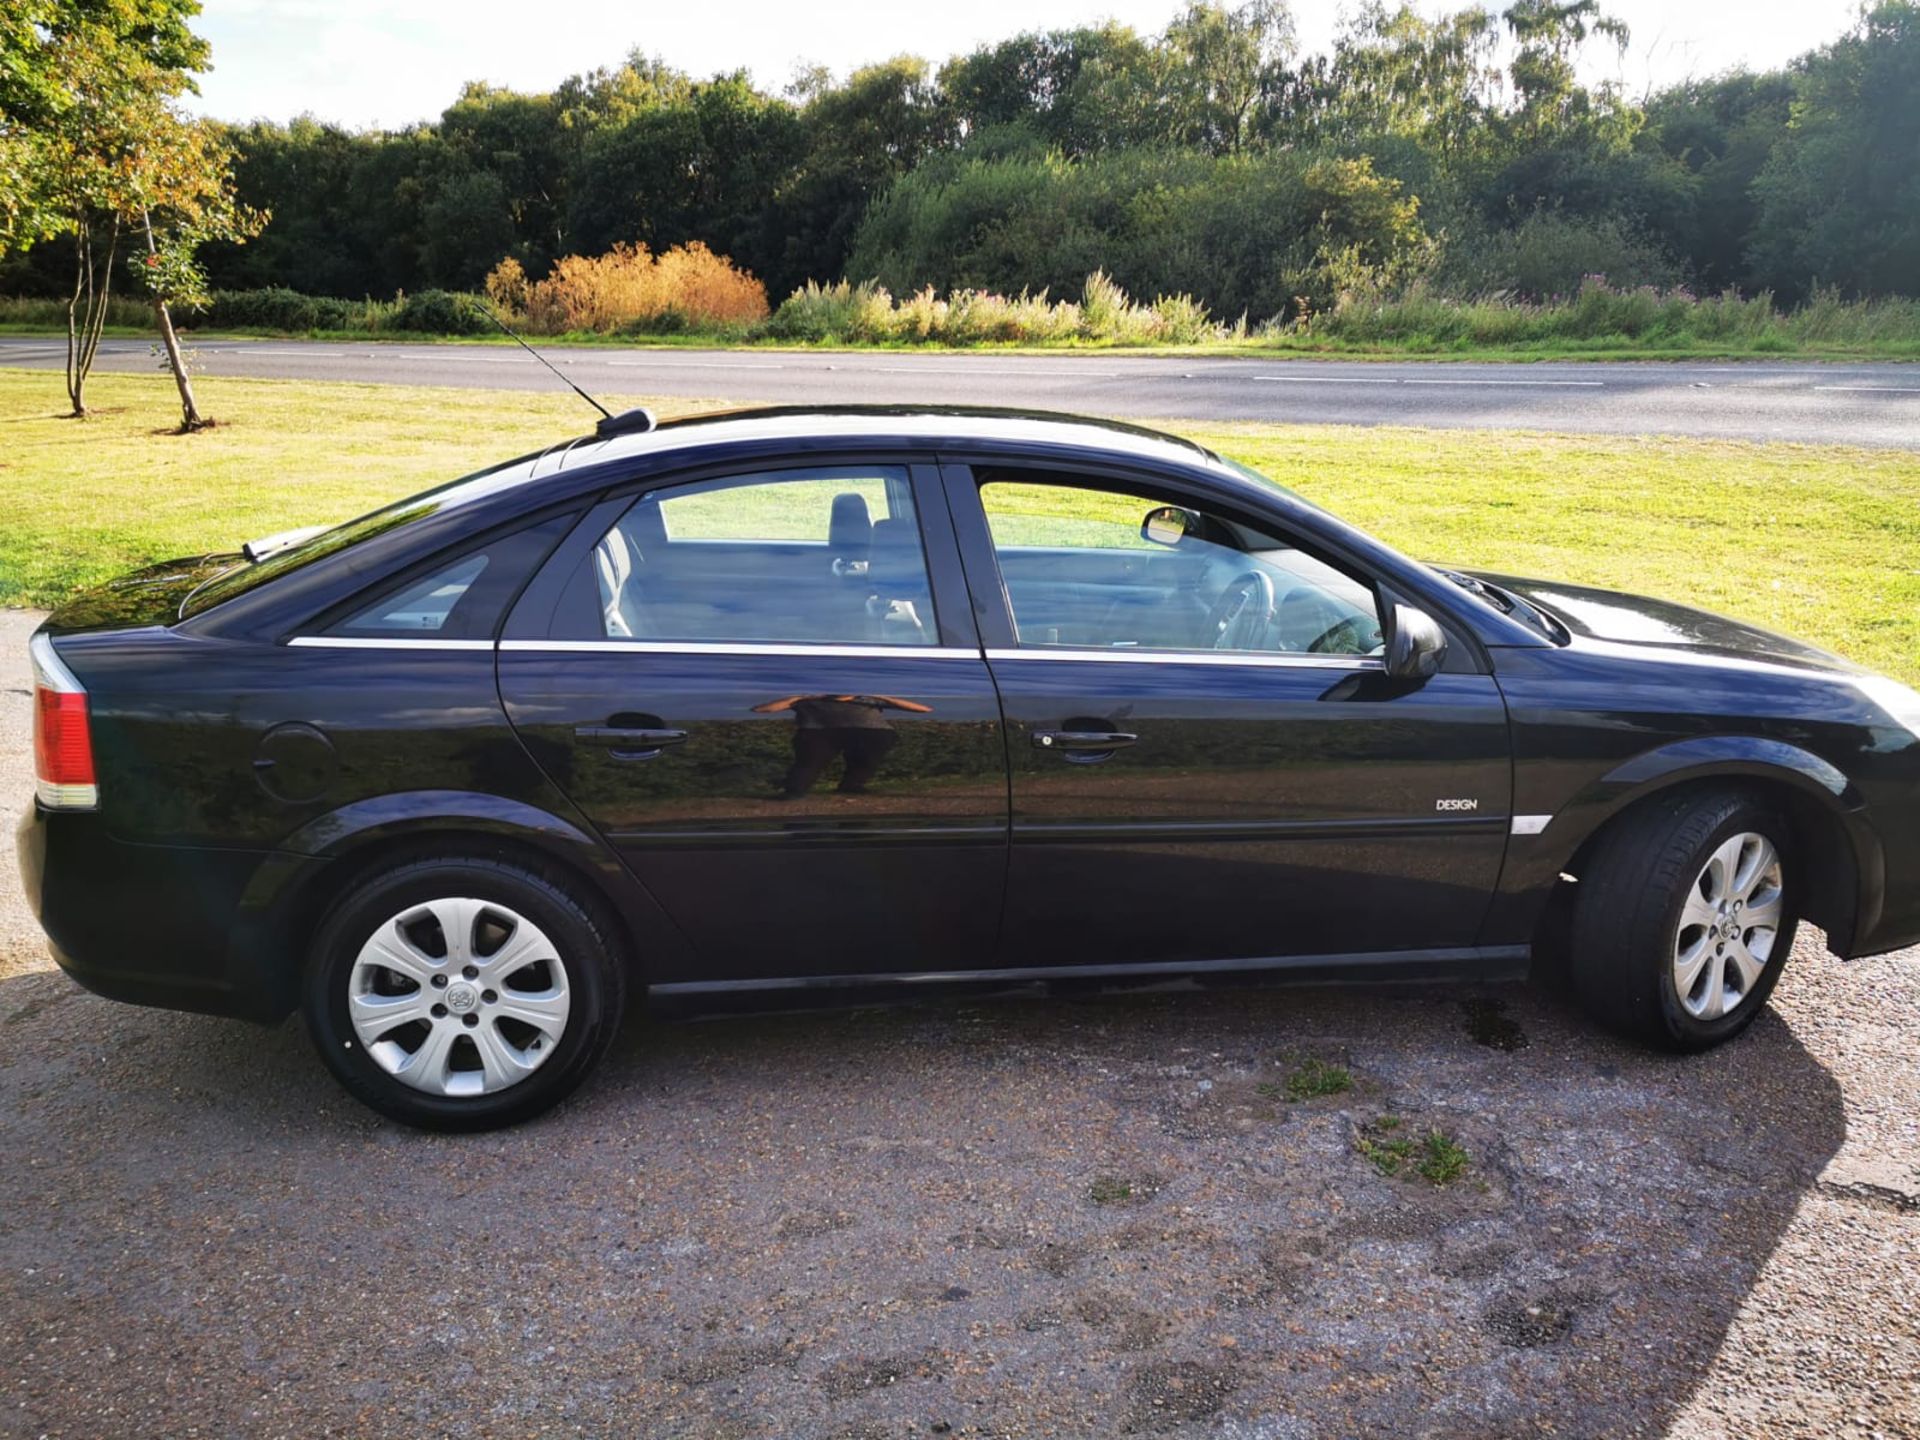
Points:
[(62, 734)]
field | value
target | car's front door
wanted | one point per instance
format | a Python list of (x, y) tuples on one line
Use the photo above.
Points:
[(766, 691), (1209, 762)]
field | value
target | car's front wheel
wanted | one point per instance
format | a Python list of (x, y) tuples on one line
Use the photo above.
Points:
[(462, 994), (1685, 915)]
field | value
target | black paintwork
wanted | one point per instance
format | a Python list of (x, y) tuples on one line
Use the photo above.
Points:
[(777, 820)]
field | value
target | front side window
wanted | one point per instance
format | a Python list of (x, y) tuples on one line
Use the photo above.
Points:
[(819, 556), (1092, 568)]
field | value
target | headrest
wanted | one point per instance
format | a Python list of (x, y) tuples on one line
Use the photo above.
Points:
[(849, 530)]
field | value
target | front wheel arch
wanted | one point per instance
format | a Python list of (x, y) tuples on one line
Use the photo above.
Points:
[(1829, 850)]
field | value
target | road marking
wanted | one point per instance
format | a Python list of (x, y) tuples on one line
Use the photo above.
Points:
[(693, 365), (1574, 384), (1330, 379), (1379, 380), (1874, 389), (965, 367), (250, 350)]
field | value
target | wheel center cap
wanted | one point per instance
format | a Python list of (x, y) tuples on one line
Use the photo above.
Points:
[(461, 998)]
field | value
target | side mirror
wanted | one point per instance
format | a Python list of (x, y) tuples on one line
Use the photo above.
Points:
[(1417, 646), (1168, 525)]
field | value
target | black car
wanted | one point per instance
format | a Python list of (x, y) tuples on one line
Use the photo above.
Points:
[(803, 700)]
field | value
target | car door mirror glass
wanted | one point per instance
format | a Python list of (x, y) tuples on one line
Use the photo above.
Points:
[(1168, 525), (1418, 647)]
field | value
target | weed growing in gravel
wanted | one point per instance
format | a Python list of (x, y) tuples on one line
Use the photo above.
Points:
[(1316, 1078), (1438, 1158), (1109, 1190)]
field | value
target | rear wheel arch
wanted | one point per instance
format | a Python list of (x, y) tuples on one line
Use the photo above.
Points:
[(293, 893)]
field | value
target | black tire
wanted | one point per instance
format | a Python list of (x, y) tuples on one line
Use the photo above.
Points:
[(1626, 919), (594, 972)]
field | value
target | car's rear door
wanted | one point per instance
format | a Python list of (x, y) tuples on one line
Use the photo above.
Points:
[(1183, 792), (764, 687)]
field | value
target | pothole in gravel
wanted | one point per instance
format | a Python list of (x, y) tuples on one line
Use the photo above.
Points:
[(1121, 1189), (1127, 1325), (863, 1373), (1489, 1025), (805, 1224), (1529, 1322), (1168, 1394), (726, 1362)]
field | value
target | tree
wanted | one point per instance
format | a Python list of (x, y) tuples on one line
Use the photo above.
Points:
[(97, 150), (182, 182), (1839, 197), (1217, 67)]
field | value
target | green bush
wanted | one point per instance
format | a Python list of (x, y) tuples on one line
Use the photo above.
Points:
[(442, 312), (1549, 255), (276, 309)]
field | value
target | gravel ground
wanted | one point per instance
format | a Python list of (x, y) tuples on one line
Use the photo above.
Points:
[(1071, 1217)]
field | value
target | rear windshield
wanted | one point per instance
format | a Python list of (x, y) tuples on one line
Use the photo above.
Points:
[(244, 575)]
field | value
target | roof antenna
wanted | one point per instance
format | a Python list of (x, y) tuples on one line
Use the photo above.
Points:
[(629, 422)]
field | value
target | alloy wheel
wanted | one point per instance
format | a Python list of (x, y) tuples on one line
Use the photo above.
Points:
[(1728, 926)]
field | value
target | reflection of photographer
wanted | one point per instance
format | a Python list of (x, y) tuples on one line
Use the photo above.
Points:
[(852, 726)]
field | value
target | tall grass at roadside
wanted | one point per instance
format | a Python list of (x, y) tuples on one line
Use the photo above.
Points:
[(34, 313), (695, 294), (1600, 316), (866, 314)]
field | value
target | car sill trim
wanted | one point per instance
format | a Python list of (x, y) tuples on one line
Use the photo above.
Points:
[(1504, 959)]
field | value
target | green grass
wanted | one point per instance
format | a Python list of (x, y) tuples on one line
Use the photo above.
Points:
[(1817, 541), (1315, 1078), (1436, 1157)]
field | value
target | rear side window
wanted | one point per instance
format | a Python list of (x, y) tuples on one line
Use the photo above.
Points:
[(460, 597), (817, 556)]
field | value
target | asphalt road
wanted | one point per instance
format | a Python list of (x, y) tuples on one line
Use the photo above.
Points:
[(1042, 1217), (1832, 404)]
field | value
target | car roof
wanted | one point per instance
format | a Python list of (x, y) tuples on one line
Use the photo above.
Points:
[(959, 425)]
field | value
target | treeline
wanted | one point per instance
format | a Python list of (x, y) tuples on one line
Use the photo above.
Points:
[(1462, 155)]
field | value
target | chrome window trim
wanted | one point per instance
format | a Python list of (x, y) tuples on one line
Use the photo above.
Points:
[(701, 647), (1192, 657), (362, 642)]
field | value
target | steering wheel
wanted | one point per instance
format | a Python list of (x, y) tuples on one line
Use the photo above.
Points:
[(1242, 618)]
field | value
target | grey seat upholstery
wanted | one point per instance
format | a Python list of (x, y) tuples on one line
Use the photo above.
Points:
[(899, 607)]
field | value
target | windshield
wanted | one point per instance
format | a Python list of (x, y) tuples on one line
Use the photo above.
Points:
[(244, 575), (1252, 474)]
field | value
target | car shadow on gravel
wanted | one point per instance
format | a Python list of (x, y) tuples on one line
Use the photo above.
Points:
[(1132, 1214)]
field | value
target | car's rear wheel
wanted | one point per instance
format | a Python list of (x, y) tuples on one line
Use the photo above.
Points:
[(462, 994), (1685, 916)]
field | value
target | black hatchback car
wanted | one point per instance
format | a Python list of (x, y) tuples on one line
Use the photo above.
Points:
[(797, 700)]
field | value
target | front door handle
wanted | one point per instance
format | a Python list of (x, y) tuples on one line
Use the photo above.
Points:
[(629, 744), (1083, 746)]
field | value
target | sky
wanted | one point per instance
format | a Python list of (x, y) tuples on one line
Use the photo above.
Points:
[(387, 63)]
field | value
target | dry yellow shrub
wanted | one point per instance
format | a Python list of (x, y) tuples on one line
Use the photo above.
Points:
[(507, 286), (628, 286)]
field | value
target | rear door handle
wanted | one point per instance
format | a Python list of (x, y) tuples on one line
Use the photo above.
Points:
[(629, 744), (1083, 745)]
